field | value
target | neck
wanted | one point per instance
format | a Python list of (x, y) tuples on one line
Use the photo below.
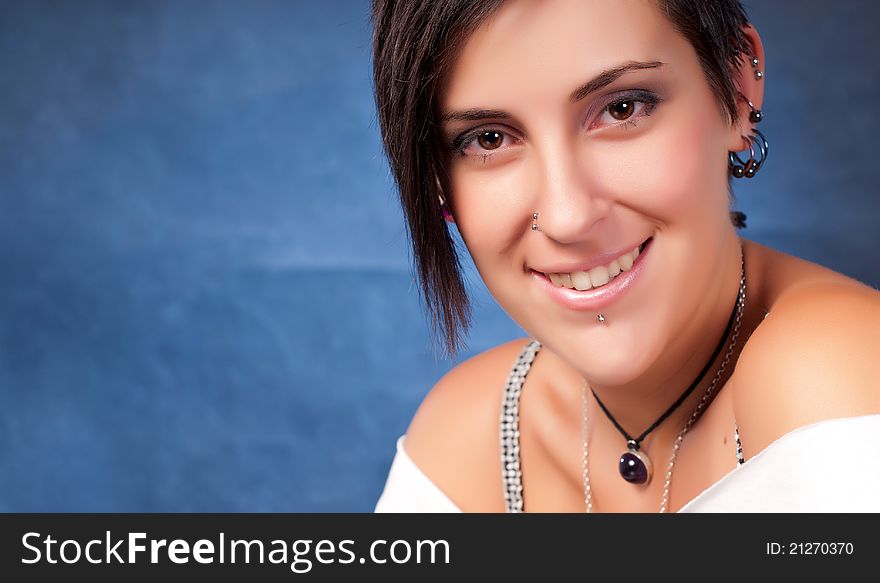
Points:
[(637, 405)]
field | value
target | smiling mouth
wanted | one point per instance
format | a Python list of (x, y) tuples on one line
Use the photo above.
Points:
[(598, 276)]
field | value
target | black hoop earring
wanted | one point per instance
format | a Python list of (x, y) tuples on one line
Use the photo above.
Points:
[(740, 169)]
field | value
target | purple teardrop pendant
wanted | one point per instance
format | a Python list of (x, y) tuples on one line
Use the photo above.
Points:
[(635, 467)]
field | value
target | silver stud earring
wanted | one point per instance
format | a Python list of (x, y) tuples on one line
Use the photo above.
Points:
[(758, 74), (534, 221), (600, 318)]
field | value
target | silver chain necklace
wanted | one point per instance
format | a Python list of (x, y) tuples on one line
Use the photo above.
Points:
[(741, 300)]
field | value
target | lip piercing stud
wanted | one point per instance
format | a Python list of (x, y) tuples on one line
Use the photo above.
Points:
[(534, 221), (600, 318)]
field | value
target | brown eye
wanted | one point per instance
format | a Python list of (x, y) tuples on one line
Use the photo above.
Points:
[(490, 139), (622, 110)]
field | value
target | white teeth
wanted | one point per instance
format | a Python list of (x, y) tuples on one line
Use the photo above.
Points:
[(581, 280), (613, 268), (598, 276)]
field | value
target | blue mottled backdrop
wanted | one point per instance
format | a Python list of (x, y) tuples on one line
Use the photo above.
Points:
[(206, 300)]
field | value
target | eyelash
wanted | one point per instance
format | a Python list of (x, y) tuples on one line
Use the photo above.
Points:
[(650, 101)]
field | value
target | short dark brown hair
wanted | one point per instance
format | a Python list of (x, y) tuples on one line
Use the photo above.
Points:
[(414, 45)]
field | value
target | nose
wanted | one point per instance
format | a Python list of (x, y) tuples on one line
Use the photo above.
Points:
[(568, 201)]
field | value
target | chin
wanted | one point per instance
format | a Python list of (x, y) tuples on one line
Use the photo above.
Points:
[(604, 359)]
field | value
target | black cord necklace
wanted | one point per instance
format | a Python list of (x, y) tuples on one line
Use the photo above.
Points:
[(635, 466)]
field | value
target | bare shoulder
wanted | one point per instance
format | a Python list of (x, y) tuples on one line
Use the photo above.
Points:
[(813, 358), (453, 437)]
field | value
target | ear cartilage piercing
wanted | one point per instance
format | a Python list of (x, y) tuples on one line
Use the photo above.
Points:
[(758, 74), (755, 115), (534, 221), (747, 169), (600, 318)]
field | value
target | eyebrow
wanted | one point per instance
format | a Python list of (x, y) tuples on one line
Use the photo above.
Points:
[(610, 76), (601, 80)]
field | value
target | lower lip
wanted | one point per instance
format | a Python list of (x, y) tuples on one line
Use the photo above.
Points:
[(598, 298)]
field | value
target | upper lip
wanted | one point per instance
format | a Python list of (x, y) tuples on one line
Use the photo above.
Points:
[(588, 264)]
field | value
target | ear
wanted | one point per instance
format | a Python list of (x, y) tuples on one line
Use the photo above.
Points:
[(747, 81)]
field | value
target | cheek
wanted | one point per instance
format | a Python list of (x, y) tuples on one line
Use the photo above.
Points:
[(675, 169), (490, 210)]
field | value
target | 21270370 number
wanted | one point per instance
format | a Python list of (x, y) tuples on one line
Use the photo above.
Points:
[(810, 548)]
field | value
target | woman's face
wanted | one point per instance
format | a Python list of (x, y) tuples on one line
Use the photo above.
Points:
[(644, 156)]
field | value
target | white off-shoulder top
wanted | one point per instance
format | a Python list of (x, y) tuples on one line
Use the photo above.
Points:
[(829, 466)]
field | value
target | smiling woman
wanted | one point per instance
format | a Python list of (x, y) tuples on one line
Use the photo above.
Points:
[(587, 166)]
